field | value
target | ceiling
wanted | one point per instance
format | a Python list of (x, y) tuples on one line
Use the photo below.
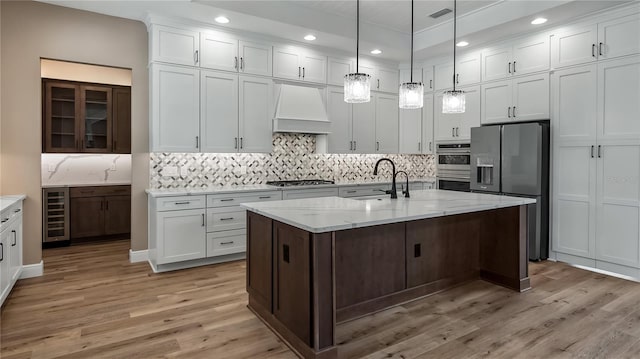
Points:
[(385, 24)]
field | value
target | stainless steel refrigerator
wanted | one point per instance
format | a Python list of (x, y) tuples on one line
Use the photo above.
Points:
[(513, 160)]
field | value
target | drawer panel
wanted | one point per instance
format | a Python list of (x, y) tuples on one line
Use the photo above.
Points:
[(179, 203), (226, 218), (357, 191), (310, 193), (227, 242), (97, 191), (234, 199)]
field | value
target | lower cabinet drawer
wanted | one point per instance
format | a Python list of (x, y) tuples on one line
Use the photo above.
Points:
[(226, 218), (234, 199), (180, 203), (226, 242), (310, 193), (358, 191)]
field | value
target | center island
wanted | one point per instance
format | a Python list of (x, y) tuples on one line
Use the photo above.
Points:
[(315, 263)]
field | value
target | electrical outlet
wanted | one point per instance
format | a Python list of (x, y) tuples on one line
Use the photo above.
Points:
[(170, 171)]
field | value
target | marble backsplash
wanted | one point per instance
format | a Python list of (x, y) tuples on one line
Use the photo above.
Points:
[(292, 158), (85, 169)]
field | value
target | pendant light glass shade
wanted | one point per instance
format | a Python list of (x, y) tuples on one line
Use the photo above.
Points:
[(357, 88), (411, 95), (453, 102)]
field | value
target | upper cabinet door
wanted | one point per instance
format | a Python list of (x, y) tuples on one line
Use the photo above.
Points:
[(338, 68), (62, 117), (619, 99), (531, 55), (175, 112), (574, 47), (386, 123), (256, 115), (364, 126), (287, 63), (96, 119), (468, 69), (531, 98), (496, 63), (255, 58), (427, 78), (496, 102), (219, 112), (121, 120), (444, 124), (388, 80), (574, 110), (410, 131), (443, 76), (471, 116), (314, 68), (218, 52), (175, 46), (405, 76), (427, 145), (619, 37), (339, 112)]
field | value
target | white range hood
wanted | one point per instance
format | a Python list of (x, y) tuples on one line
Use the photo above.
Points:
[(300, 109)]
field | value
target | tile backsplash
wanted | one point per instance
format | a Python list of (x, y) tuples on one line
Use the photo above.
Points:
[(85, 169), (292, 158)]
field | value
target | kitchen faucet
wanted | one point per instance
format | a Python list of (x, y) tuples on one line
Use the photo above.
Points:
[(405, 192), (393, 176)]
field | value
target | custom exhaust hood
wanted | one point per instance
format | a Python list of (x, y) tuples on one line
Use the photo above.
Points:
[(300, 109)]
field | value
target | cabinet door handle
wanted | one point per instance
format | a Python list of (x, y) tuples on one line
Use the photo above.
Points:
[(593, 50), (236, 63), (600, 49), (299, 71), (242, 63), (241, 145), (599, 151), (430, 84), (378, 84), (509, 112), (355, 145), (514, 112), (4, 220), (457, 78), (514, 67), (226, 219), (419, 147), (303, 72), (377, 146), (197, 142), (15, 238), (350, 145), (236, 145), (592, 148), (352, 191), (203, 219), (457, 131), (227, 200), (1, 252), (196, 56), (179, 203), (509, 67), (223, 243), (17, 210), (453, 132), (430, 146), (264, 197), (101, 205)]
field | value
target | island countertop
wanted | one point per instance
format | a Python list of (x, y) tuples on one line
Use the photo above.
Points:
[(319, 215)]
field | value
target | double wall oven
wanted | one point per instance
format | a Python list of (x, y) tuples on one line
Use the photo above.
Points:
[(453, 165)]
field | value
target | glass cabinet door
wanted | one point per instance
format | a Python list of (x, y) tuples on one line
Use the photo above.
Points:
[(60, 117), (95, 127)]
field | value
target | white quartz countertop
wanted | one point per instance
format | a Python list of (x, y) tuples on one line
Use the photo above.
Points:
[(167, 192), (8, 201), (98, 184), (318, 215)]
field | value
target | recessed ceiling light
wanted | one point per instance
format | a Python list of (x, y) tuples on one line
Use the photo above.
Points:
[(222, 20), (309, 37), (462, 44), (538, 21), (376, 51)]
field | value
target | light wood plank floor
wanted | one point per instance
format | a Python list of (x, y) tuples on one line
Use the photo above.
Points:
[(91, 303)]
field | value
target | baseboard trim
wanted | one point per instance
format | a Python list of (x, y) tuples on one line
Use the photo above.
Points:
[(138, 256), (32, 270)]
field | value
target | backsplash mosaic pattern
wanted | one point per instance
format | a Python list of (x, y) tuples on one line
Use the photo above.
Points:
[(292, 158)]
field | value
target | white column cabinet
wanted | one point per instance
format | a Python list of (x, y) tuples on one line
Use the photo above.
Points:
[(619, 37), (574, 101), (387, 80), (181, 235), (287, 63), (255, 58), (427, 146), (471, 117), (337, 69), (496, 102), (314, 68), (219, 112), (386, 123), (444, 124), (410, 131), (255, 115), (175, 112), (340, 114), (619, 99), (364, 126), (520, 99), (15, 249), (496, 63), (519, 58), (468, 69), (574, 46), (175, 46), (219, 52)]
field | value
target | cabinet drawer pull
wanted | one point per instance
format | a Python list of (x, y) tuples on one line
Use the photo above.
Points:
[(177, 203), (227, 200), (15, 238), (224, 243), (17, 210), (264, 197), (352, 191), (226, 219)]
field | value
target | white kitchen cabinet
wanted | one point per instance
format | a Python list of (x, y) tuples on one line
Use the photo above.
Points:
[(443, 76), (410, 131), (519, 99), (468, 69), (299, 64), (619, 99), (518, 58), (405, 76), (337, 69), (5, 265), (175, 46), (619, 37), (574, 101), (496, 63), (577, 45), (387, 80), (340, 138), (175, 112), (15, 248), (427, 146), (457, 127), (218, 51), (219, 112), (181, 235), (226, 242), (255, 114), (371, 71), (427, 78), (255, 58), (364, 126), (444, 124), (386, 123)]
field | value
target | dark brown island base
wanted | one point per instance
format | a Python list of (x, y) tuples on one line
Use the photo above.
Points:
[(302, 283)]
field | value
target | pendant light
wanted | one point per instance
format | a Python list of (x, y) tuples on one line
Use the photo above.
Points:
[(357, 86), (411, 92), (453, 101)]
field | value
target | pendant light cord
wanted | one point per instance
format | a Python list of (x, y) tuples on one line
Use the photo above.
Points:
[(357, 32), (454, 44), (411, 71)]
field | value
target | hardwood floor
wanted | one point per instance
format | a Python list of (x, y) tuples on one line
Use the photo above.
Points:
[(91, 303)]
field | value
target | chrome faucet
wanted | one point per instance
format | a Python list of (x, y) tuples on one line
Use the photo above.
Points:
[(393, 176), (405, 192)]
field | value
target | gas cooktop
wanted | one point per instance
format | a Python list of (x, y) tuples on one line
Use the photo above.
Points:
[(312, 182)]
